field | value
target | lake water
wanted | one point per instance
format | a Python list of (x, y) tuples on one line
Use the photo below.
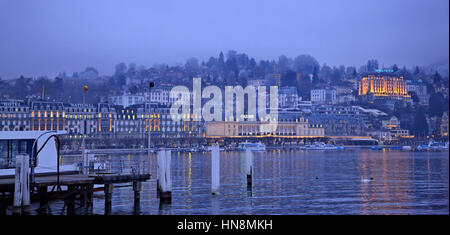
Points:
[(294, 182)]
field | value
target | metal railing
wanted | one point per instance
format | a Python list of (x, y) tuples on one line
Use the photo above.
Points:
[(35, 155), (100, 164)]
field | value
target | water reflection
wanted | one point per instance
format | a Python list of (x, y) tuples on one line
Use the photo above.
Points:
[(391, 186), (292, 182)]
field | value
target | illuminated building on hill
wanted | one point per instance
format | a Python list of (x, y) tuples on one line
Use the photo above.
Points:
[(383, 85)]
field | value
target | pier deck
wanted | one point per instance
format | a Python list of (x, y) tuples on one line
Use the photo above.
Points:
[(77, 179), (50, 180), (77, 185)]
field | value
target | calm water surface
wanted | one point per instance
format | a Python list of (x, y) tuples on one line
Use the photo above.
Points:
[(294, 182)]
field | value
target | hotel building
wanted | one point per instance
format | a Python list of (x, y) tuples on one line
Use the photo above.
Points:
[(383, 85)]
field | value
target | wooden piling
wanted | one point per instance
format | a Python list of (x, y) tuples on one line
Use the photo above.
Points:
[(215, 169), (83, 196), (137, 196), (43, 198), (77, 184), (70, 200), (164, 180), (137, 191), (3, 204), (22, 185), (249, 166), (90, 196), (108, 189)]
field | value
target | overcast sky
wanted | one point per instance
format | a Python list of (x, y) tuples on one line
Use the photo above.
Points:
[(45, 37)]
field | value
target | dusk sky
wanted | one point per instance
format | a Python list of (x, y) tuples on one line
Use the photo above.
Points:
[(45, 37)]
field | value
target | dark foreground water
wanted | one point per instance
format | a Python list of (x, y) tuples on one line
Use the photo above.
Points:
[(294, 182)]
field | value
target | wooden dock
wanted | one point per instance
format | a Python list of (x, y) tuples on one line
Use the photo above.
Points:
[(70, 187)]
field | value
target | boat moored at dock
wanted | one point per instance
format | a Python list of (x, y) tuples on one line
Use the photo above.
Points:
[(321, 146), (252, 146), (41, 144)]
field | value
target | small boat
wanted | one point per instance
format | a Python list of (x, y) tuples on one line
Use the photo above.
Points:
[(252, 146), (193, 150), (406, 148), (13, 143), (422, 147), (437, 146), (321, 146), (376, 148)]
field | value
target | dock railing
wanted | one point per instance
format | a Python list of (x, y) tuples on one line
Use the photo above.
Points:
[(102, 164)]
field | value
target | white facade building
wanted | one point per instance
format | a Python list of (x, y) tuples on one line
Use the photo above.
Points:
[(323, 96), (420, 90), (126, 100)]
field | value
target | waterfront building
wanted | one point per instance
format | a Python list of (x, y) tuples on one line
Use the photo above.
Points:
[(47, 115), (344, 112), (106, 114), (392, 123), (14, 115), (80, 119), (392, 126), (339, 125), (400, 133), (135, 121), (382, 135), (299, 128)]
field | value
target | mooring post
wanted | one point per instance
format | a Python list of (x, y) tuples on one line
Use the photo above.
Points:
[(137, 191), (2, 204), (71, 199), (215, 169), (249, 166), (22, 185), (137, 196), (83, 196), (109, 188), (159, 171), (90, 196), (17, 204), (164, 181), (43, 198)]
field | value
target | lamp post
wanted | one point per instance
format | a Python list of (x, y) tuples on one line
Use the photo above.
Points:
[(83, 144), (150, 85)]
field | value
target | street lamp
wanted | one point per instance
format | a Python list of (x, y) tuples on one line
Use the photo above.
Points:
[(83, 144), (150, 86)]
